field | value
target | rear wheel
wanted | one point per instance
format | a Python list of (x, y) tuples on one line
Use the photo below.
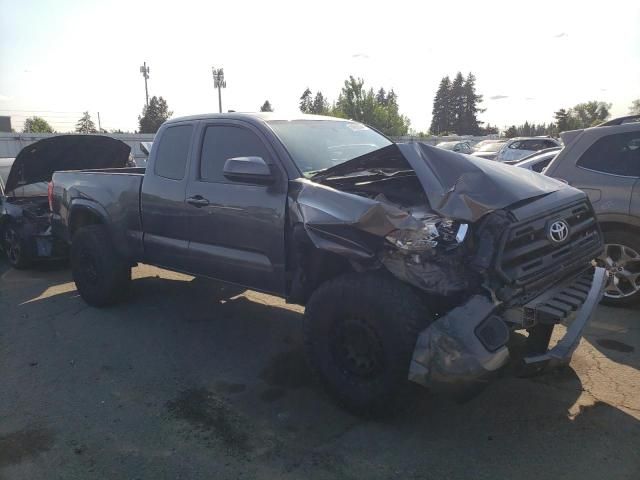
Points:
[(16, 249), (360, 333), (101, 275), (621, 258)]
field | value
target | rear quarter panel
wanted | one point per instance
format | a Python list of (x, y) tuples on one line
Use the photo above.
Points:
[(113, 197)]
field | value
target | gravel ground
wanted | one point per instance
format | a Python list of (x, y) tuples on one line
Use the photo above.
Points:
[(194, 380)]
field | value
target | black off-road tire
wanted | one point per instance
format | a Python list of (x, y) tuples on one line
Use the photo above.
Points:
[(632, 240), (391, 313), (101, 275)]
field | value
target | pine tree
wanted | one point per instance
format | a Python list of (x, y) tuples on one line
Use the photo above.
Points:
[(320, 106), (562, 120), (470, 124), (511, 132), (306, 103), (266, 107), (364, 105), (85, 124), (457, 104), (441, 113)]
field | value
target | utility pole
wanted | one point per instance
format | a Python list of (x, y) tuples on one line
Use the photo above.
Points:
[(144, 70), (219, 83), (99, 126)]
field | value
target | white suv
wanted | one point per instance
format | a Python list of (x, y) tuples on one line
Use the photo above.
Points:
[(517, 148)]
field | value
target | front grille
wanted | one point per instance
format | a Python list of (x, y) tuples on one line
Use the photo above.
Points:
[(528, 255)]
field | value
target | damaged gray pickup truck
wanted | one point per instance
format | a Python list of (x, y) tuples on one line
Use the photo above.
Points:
[(412, 262)]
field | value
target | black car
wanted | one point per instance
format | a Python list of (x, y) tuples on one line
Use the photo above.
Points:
[(24, 207)]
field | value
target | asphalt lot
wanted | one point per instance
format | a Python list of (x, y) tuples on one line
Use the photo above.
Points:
[(193, 380)]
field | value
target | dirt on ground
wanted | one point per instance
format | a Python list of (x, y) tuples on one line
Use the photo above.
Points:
[(196, 380)]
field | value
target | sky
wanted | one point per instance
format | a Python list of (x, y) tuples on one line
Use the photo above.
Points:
[(60, 58)]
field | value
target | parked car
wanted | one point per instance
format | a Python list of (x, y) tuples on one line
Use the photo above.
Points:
[(460, 147), (412, 261), (517, 148), (538, 161), (487, 148), (24, 208), (604, 162)]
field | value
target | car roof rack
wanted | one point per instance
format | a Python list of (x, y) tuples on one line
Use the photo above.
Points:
[(621, 120)]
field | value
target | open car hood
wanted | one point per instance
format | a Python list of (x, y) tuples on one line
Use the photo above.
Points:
[(458, 186), (37, 162)]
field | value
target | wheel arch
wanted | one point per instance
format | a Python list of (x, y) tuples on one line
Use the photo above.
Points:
[(83, 214)]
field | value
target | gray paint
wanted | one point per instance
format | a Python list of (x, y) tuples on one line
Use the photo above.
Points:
[(615, 198), (247, 233)]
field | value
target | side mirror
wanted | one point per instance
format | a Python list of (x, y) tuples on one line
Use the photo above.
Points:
[(248, 169)]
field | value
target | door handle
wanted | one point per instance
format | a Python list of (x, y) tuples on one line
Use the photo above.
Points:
[(198, 201)]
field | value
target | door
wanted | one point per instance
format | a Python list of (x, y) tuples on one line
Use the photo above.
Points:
[(162, 200), (606, 171), (236, 228)]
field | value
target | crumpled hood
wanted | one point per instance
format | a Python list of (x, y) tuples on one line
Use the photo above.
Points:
[(37, 162), (466, 188)]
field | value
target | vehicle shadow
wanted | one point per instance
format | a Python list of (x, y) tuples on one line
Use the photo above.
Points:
[(615, 332), (210, 372)]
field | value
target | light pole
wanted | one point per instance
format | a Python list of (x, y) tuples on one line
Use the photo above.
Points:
[(219, 83), (144, 70)]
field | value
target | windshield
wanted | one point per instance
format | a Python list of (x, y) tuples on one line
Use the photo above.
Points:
[(447, 145), (489, 147), (317, 145)]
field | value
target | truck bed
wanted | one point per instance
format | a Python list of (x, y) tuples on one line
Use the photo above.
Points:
[(112, 193)]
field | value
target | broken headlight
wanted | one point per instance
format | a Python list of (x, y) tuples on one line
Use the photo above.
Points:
[(433, 233)]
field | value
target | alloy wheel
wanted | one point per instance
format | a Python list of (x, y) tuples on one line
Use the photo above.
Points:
[(623, 266)]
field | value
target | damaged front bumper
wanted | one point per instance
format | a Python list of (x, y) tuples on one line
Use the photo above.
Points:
[(469, 344)]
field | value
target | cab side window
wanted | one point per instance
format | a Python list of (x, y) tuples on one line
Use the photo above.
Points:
[(222, 142), (173, 151), (617, 154)]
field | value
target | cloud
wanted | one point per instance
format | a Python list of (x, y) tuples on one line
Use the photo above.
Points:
[(560, 35), (529, 98), (498, 97), (360, 55), (4, 98)]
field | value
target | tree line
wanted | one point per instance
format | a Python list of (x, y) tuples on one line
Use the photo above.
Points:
[(582, 115), (377, 108), (456, 106)]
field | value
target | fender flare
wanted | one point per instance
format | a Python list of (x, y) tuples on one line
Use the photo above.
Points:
[(83, 205)]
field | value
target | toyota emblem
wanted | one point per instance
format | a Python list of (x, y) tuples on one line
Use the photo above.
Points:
[(558, 231)]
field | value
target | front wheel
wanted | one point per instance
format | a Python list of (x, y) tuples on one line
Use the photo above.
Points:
[(621, 259), (101, 275), (360, 333)]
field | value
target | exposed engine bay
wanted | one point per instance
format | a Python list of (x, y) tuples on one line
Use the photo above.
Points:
[(437, 220)]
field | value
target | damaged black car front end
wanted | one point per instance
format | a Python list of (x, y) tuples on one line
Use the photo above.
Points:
[(491, 248)]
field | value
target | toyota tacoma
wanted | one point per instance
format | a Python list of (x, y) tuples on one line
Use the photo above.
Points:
[(413, 262)]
